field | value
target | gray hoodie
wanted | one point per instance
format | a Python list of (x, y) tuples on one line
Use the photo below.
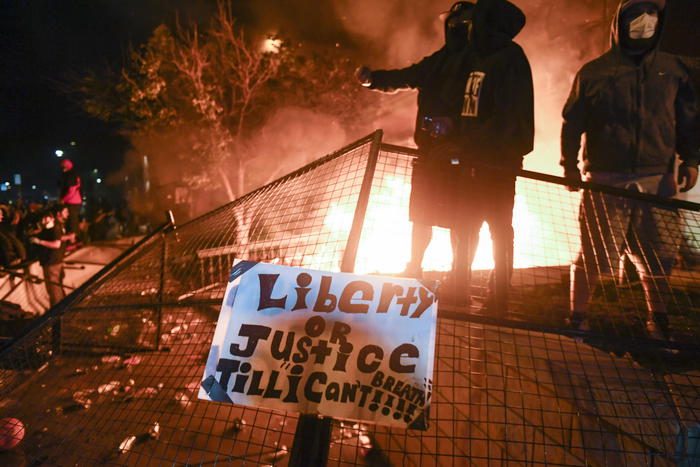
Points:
[(636, 112)]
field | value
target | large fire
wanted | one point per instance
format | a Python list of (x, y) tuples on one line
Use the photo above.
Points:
[(542, 236)]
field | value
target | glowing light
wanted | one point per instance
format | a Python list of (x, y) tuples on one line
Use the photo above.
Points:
[(385, 245), (99, 180), (58, 153), (271, 45)]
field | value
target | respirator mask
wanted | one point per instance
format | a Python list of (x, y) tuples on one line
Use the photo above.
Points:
[(643, 26)]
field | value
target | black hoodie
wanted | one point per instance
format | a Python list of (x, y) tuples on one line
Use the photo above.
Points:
[(636, 113), (486, 88)]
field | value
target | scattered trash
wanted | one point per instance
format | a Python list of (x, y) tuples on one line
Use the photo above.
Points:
[(364, 444), (154, 431), (135, 360), (237, 425), (111, 359), (177, 329), (127, 444), (81, 397), (108, 387), (151, 291), (182, 398), (79, 372)]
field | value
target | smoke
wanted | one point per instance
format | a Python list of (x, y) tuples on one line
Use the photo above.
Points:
[(558, 39), (292, 138)]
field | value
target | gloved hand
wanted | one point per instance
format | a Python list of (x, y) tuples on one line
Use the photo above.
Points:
[(440, 126), (363, 75), (572, 176), (687, 177)]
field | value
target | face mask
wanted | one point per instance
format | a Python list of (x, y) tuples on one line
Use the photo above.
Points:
[(458, 29), (643, 26)]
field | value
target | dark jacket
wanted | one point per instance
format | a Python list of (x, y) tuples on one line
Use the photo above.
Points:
[(486, 89), (51, 256), (636, 114)]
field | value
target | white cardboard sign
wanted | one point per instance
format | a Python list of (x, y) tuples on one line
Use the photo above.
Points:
[(333, 344)]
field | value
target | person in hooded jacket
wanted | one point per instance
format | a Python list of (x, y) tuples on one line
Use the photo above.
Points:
[(475, 118), (637, 108)]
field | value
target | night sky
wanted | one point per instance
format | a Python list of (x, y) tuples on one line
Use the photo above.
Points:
[(42, 41)]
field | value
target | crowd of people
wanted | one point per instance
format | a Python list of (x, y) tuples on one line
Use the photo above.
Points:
[(32, 232)]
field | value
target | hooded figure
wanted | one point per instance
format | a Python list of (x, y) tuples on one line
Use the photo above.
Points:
[(635, 103), (475, 108), (637, 108)]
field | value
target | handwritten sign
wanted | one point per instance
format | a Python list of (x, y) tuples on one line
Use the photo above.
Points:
[(334, 344)]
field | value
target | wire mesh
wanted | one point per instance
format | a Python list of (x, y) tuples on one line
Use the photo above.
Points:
[(116, 382)]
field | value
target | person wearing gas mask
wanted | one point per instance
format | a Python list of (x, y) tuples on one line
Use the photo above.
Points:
[(475, 109), (637, 108)]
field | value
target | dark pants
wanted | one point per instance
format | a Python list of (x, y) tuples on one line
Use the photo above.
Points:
[(53, 277), (486, 196), (73, 218)]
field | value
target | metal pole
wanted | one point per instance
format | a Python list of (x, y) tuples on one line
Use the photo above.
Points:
[(350, 255), (170, 220), (312, 437)]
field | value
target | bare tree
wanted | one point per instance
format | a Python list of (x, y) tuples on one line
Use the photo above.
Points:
[(197, 95)]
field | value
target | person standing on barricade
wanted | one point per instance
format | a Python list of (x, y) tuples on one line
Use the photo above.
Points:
[(475, 108), (637, 108), (70, 195)]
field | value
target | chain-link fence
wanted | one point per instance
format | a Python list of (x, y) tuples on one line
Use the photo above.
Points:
[(111, 374)]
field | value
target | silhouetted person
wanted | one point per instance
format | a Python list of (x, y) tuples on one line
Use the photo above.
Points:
[(475, 108), (70, 194), (12, 251), (637, 108), (51, 242)]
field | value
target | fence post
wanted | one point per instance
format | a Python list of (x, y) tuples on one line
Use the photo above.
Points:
[(312, 437), (170, 219), (350, 254)]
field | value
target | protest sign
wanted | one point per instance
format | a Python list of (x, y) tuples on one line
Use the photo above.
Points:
[(334, 344)]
